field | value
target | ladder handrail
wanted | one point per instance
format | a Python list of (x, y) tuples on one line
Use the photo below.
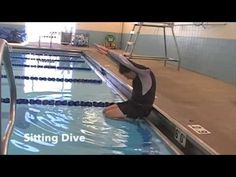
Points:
[(5, 58), (135, 40), (129, 50)]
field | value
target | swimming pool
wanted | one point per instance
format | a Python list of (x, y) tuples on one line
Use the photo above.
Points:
[(63, 129)]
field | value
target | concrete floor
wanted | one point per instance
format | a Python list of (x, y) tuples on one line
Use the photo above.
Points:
[(189, 98)]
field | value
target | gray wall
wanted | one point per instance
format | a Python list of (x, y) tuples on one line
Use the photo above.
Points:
[(213, 57), (99, 37), (209, 56)]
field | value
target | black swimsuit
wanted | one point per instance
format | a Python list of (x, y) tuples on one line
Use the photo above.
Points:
[(139, 105)]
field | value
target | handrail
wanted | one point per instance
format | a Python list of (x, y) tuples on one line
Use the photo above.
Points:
[(5, 58)]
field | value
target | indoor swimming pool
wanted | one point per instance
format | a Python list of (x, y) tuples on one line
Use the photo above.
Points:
[(60, 111)]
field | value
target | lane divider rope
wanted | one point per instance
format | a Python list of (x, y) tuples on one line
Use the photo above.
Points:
[(52, 67), (96, 81), (46, 54), (48, 60), (58, 102)]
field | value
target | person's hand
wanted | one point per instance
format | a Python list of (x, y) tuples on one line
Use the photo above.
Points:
[(101, 49), (126, 54)]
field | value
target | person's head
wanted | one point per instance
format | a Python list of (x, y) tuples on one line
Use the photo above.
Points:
[(129, 74)]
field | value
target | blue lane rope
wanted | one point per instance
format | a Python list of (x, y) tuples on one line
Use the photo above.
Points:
[(96, 81), (48, 60), (52, 67), (58, 102), (45, 54)]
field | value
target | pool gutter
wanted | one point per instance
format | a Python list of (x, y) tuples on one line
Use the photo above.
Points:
[(46, 48)]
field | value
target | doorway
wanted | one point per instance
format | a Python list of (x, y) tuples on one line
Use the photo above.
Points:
[(42, 31)]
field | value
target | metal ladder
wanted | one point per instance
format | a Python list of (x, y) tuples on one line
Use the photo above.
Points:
[(132, 39), (5, 58), (129, 50), (50, 36)]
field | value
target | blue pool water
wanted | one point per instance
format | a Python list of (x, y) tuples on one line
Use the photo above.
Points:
[(75, 129)]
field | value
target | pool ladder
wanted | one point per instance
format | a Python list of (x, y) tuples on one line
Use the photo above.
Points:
[(5, 58), (135, 33), (50, 36)]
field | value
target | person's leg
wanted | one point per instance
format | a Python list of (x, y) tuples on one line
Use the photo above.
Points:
[(114, 112), (109, 107)]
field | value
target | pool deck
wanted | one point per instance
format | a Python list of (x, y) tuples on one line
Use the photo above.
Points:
[(188, 97)]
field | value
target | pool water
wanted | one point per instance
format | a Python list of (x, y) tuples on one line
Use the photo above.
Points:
[(45, 129)]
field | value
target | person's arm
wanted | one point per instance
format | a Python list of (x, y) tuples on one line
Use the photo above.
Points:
[(101, 49), (121, 59), (125, 61), (143, 73)]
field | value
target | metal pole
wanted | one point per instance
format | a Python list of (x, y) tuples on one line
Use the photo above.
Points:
[(130, 37), (1, 147), (39, 40), (5, 58), (121, 35), (51, 39), (179, 61), (164, 30), (139, 29)]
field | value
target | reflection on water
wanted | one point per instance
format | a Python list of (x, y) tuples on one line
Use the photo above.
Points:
[(101, 135)]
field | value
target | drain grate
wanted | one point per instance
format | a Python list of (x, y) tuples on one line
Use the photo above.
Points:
[(199, 129)]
